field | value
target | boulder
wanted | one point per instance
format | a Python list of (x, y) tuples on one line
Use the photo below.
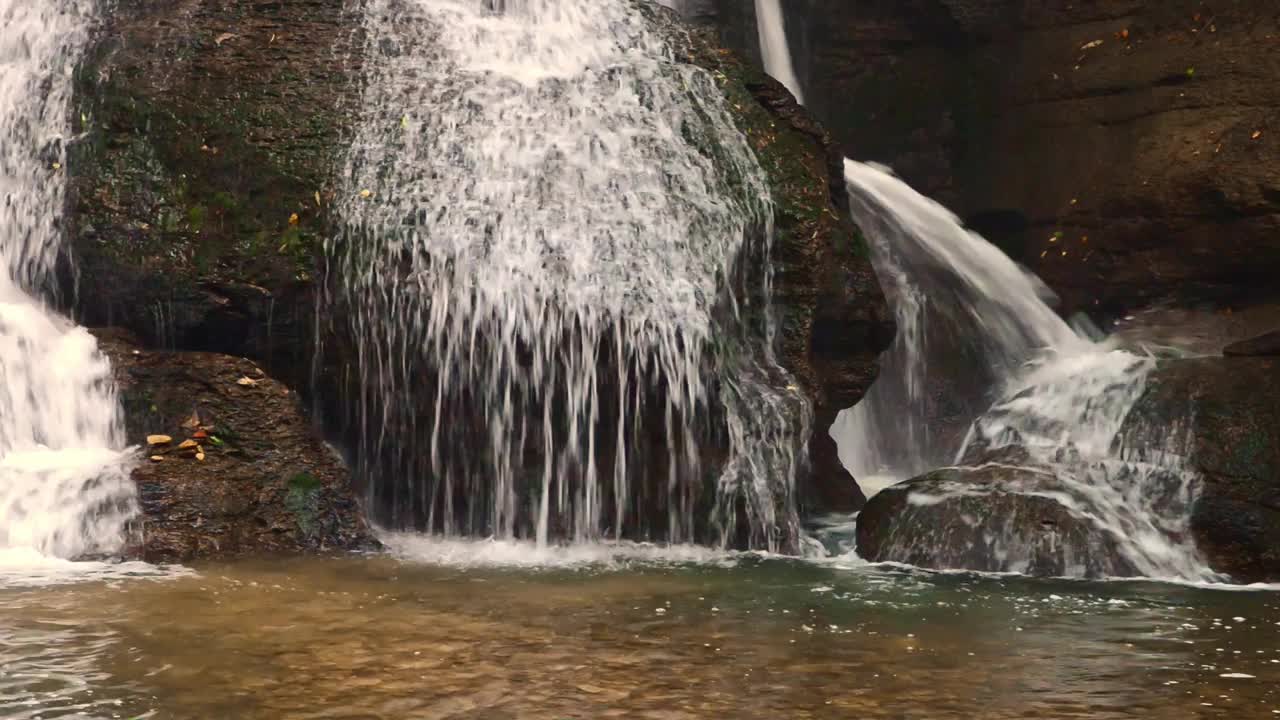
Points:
[(1231, 405), (992, 517), (230, 465)]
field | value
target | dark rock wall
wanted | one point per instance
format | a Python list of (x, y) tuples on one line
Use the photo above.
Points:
[(1136, 171), (204, 174)]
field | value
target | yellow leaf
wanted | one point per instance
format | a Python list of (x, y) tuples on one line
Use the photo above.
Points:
[(365, 193), (293, 219)]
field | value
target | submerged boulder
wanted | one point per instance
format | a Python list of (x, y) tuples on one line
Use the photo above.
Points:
[(230, 464), (1232, 408), (989, 518)]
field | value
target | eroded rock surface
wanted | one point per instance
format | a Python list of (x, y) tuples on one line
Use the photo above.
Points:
[(243, 471)]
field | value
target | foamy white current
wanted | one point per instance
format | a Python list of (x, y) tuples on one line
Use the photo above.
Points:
[(64, 478), (547, 219), (979, 347)]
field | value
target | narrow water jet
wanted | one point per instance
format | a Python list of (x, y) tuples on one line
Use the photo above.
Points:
[(65, 490), (554, 279), (775, 49)]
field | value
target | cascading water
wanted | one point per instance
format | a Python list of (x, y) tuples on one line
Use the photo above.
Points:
[(774, 48), (546, 282), (65, 489), (976, 332), (968, 319)]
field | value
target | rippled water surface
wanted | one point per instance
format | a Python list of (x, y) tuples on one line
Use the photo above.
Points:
[(744, 637)]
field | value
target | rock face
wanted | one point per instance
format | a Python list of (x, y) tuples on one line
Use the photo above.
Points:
[(1121, 149), (1231, 404), (989, 518), (231, 465), (203, 180)]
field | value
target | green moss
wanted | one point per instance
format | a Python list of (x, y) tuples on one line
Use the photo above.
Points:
[(304, 481), (302, 500)]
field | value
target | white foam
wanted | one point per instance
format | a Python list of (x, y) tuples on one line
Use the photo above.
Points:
[(27, 568), (466, 553)]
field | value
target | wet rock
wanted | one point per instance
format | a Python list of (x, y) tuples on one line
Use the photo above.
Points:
[(990, 518), (195, 154), (1262, 346), (1231, 406), (266, 483)]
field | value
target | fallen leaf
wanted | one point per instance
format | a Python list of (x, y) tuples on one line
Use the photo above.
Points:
[(223, 38), (1091, 45), (159, 439), (1256, 134), (365, 193), (293, 219), (247, 382), (317, 198), (157, 458), (200, 456)]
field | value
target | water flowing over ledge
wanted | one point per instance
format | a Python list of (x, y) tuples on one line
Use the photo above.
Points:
[(552, 275)]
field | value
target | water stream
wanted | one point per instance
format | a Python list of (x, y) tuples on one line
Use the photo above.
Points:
[(64, 482), (775, 49)]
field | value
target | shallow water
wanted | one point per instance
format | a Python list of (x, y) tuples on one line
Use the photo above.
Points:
[(724, 637)]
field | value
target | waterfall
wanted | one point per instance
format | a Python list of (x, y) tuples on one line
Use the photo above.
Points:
[(980, 350), (969, 318), (548, 283), (774, 48), (65, 489)]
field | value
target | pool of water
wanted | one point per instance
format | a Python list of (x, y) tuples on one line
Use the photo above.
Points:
[(487, 631)]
